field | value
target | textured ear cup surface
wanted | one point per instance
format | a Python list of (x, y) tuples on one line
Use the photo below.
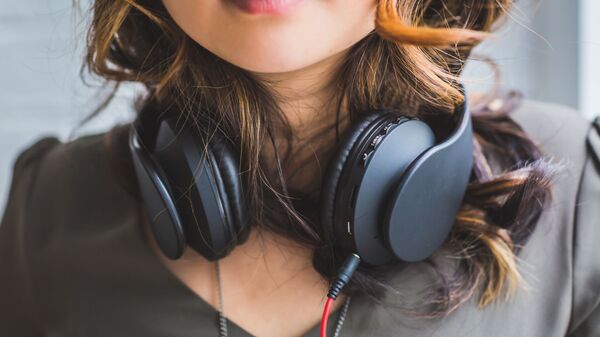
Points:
[(229, 178), (336, 166), (158, 200)]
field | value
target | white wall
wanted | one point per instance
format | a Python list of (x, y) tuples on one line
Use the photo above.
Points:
[(589, 83), (41, 93), (537, 51)]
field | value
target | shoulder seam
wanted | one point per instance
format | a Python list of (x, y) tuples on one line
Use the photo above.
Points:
[(34, 152), (593, 149), (37, 148), (593, 141), (24, 175), (596, 123)]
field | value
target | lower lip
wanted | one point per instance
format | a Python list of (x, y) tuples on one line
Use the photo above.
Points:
[(266, 6)]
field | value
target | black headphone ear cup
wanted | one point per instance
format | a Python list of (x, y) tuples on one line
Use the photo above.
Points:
[(336, 167), (163, 216), (207, 191), (231, 189), (366, 168)]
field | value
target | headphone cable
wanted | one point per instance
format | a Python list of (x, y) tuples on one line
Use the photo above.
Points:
[(344, 275), (222, 320)]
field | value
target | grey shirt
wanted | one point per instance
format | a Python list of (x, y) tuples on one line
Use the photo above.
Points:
[(75, 262)]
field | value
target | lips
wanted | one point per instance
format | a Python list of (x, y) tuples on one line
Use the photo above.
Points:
[(266, 6)]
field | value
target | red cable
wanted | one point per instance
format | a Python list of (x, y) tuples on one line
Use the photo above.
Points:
[(326, 316), (344, 275)]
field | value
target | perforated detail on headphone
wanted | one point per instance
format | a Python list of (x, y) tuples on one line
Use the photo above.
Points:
[(389, 126)]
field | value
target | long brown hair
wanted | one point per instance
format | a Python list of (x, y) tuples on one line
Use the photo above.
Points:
[(411, 61)]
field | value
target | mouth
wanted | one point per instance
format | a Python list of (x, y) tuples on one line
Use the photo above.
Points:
[(266, 6)]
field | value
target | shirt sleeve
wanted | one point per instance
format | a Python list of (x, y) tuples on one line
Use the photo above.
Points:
[(585, 320), (17, 305)]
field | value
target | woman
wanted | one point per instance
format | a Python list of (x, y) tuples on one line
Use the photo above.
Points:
[(283, 82)]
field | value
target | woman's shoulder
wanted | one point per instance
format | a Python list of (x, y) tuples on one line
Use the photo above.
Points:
[(58, 183), (46, 167), (574, 141), (70, 236), (559, 262), (559, 130), (61, 196)]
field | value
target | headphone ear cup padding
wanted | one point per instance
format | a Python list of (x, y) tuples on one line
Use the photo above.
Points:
[(157, 196), (227, 164), (205, 192), (336, 166)]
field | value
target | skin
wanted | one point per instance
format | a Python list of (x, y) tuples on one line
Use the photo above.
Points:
[(296, 54)]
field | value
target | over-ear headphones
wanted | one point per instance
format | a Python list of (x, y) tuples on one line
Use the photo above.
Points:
[(390, 192)]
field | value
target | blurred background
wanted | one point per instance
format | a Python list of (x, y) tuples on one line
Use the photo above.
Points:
[(548, 49)]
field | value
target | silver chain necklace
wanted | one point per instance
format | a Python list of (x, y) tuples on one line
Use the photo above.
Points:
[(223, 319)]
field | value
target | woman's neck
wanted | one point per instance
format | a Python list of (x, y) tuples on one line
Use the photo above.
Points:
[(269, 285), (308, 98)]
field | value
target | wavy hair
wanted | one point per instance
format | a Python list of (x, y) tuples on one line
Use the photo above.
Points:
[(411, 61)]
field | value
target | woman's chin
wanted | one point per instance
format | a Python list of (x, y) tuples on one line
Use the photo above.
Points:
[(305, 32), (271, 61)]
